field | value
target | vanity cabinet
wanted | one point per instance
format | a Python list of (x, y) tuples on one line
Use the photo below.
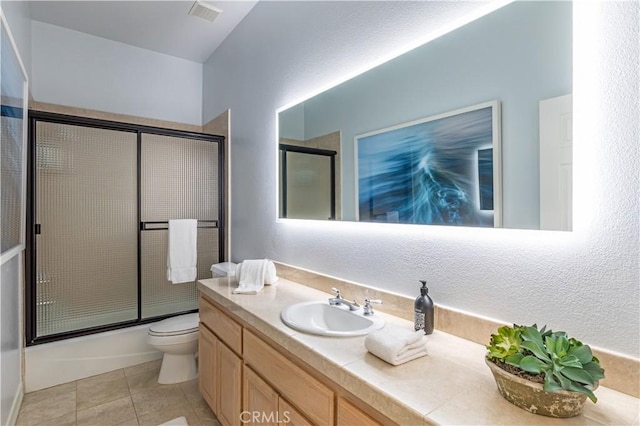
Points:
[(220, 369), (246, 379)]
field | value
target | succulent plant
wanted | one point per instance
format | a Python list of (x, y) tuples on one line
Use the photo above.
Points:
[(505, 343), (565, 362)]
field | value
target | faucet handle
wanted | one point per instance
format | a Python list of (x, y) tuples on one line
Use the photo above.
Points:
[(368, 310), (337, 292)]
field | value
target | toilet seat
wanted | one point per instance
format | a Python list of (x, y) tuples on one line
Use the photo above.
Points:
[(176, 326)]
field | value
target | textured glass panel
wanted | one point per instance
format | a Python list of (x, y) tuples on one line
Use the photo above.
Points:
[(87, 206), (159, 296), (11, 145), (11, 175), (179, 179), (308, 186)]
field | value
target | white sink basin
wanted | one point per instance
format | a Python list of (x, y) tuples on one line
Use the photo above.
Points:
[(326, 320)]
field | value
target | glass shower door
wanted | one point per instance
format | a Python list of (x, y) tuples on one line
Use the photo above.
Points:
[(179, 180), (86, 257)]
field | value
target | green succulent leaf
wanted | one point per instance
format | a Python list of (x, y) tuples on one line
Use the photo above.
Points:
[(536, 349), (594, 369), (514, 359), (585, 390), (578, 375), (532, 334), (531, 364), (550, 342), (550, 384), (564, 382), (582, 352), (570, 361), (505, 343), (562, 346)]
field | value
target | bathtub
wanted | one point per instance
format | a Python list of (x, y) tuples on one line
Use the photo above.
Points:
[(60, 362)]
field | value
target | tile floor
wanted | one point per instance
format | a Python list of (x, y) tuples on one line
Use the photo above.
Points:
[(127, 397)]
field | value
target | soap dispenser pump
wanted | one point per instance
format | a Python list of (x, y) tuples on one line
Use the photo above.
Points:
[(423, 310)]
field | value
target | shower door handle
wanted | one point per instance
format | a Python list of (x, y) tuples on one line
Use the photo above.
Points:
[(37, 229)]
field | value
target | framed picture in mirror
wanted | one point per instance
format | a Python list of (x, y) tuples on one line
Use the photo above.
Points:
[(439, 170)]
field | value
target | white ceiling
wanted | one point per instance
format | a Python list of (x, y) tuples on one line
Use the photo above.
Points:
[(161, 26)]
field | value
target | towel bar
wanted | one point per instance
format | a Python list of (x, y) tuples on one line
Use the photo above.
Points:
[(159, 226)]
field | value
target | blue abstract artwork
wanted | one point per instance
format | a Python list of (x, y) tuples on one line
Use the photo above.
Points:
[(435, 171)]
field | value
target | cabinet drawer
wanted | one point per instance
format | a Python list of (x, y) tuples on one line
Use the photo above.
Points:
[(224, 327), (314, 399)]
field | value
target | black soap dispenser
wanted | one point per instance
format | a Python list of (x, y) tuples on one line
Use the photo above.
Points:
[(423, 310)]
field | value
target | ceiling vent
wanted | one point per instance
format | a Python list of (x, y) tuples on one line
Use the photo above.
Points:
[(204, 11)]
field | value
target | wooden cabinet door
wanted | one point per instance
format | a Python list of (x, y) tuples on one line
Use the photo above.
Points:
[(350, 415), (312, 397), (259, 400), (229, 401), (208, 366), (289, 415)]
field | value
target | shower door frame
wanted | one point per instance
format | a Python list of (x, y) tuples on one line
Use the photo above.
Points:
[(284, 149), (31, 337)]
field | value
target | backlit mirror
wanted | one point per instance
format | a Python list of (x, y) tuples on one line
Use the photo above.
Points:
[(470, 129)]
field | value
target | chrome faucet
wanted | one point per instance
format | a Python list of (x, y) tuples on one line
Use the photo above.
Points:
[(368, 310), (339, 300)]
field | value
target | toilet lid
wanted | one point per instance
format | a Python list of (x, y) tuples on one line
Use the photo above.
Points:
[(182, 324)]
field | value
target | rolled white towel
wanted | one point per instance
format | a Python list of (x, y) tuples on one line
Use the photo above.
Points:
[(270, 276), (396, 345), (251, 281)]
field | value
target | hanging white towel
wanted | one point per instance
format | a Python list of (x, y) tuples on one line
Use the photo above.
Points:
[(251, 276), (270, 276), (182, 254), (396, 345)]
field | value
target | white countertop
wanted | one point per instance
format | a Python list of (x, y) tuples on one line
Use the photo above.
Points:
[(452, 385)]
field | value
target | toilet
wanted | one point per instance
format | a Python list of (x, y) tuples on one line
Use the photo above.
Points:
[(177, 338)]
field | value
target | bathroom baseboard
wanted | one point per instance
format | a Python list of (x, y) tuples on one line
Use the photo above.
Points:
[(623, 372), (64, 361), (15, 406)]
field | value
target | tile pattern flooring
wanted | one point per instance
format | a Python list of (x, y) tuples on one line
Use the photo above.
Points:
[(127, 397)]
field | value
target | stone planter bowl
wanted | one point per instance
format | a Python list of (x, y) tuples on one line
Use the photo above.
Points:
[(531, 396)]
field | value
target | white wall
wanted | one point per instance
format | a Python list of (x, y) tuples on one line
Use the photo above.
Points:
[(19, 18), (11, 276), (81, 70), (585, 282)]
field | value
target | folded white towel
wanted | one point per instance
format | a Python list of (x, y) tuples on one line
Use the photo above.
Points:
[(396, 345), (251, 276), (270, 277), (182, 254)]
